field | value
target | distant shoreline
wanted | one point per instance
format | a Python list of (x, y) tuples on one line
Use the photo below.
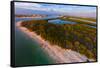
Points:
[(30, 16), (58, 54)]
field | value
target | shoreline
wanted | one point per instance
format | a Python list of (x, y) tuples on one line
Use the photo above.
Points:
[(58, 54), (29, 17)]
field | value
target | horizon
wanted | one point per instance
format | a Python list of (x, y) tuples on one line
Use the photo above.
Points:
[(85, 11)]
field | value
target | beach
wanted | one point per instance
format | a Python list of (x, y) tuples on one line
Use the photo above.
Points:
[(58, 54)]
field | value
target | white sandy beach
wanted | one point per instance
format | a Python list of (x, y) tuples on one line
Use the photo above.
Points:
[(55, 52)]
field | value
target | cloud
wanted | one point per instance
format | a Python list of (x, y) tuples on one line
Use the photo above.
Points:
[(55, 7), (26, 5), (32, 6)]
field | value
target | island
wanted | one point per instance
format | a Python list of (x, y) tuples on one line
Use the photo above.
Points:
[(65, 43)]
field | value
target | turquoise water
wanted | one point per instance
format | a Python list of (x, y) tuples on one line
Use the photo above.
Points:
[(28, 51), (59, 21)]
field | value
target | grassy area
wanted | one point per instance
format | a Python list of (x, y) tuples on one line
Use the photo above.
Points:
[(84, 18), (90, 19), (79, 21)]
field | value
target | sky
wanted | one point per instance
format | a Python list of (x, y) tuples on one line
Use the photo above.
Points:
[(63, 9)]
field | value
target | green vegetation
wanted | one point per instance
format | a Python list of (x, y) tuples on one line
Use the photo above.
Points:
[(84, 18), (90, 19), (78, 37), (68, 18)]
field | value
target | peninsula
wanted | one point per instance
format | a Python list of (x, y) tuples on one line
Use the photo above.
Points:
[(66, 43)]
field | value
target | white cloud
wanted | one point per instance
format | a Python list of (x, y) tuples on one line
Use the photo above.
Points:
[(32, 6), (26, 5), (55, 8)]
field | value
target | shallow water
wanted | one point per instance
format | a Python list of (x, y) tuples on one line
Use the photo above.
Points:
[(28, 51), (59, 21)]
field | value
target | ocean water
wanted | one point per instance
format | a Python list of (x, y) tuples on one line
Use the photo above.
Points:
[(28, 51)]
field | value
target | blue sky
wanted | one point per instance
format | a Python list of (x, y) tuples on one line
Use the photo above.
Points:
[(65, 9)]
